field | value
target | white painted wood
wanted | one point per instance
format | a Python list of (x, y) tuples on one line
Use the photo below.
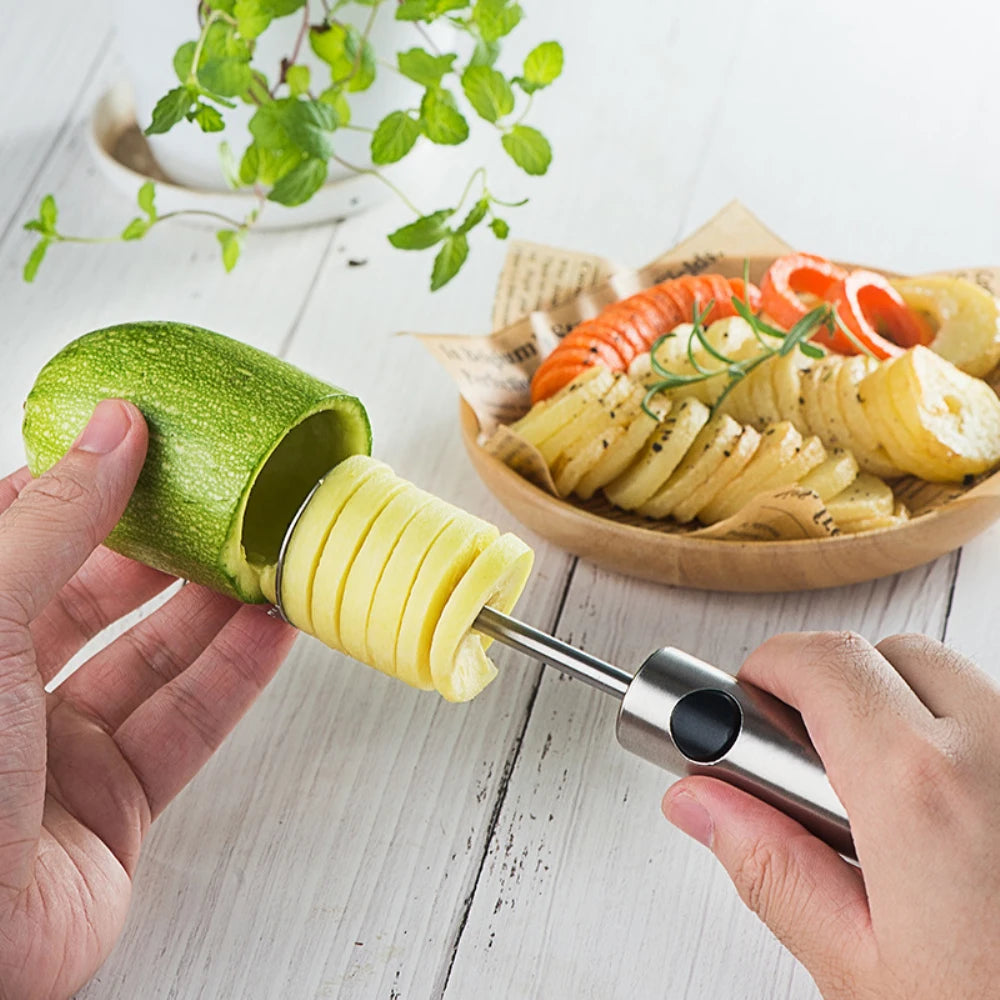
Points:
[(357, 839)]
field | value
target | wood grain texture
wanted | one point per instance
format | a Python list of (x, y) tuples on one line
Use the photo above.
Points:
[(353, 838)]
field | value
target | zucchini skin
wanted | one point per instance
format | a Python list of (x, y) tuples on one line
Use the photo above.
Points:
[(216, 408)]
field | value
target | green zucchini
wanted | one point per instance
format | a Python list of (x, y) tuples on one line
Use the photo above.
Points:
[(237, 438)]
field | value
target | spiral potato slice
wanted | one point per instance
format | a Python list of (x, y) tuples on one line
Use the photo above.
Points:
[(369, 565), (661, 456), (616, 460), (446, 562), (707, 452), (342, 546), (732, 465), (397, 580), (459, 666), (832, 476), (541, 422), (310, 534), (778, 447)]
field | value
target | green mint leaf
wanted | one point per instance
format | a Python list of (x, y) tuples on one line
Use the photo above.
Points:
[(250, 164), (273, 164), (334, 97), (226, 6), (231, 242), (299, 184), (48, 214), (420, 66), (445, 6), (183, 60), (252, 17), (394, 137), (170, 109), (259, 91), (440, 119), (146, 199), (449, 260), (485, 53), (297, 78), (35, 258), (282, 8), (350, 57), (224, 68), (488, 92), (207, 117), (226, 77), (424, 233), (415, 10), (136, 229), (543, 64), (34, 226), (228, 165), (528, 148), (475, 216), (500, 229), (496, 18), (294, 124)]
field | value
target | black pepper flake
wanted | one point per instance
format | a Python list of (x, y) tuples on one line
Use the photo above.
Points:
[(604, 443), (968, 479), (592, 349), (727, 453), (611, 413), (802, 401), (657, 446)]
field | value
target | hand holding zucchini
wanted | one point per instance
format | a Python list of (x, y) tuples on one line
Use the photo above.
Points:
[(237, 442)]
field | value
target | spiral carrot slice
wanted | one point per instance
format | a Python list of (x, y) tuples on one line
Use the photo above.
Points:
[(868, 306), (792, 274), (627, 328)]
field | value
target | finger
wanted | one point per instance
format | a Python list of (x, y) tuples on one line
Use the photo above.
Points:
[(948, 683), (61, 517), (107, 586), (170, 736), (11, 486), (856, 707), (812, 900), (113, 683)]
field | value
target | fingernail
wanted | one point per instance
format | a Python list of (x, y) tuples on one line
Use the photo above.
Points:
[(106, 430), (690, 816)]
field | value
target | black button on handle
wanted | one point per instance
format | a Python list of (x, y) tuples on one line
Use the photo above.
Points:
[(705, 723)]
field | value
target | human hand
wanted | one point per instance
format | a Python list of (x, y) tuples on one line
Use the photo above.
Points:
[(908, 731), (85, 770)]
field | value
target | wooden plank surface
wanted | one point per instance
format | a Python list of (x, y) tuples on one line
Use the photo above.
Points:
[(357, 839)]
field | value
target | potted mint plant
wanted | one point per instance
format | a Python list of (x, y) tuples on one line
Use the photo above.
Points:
[(291, 120)]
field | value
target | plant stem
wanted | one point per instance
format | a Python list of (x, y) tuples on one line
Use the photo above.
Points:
[(290, 60), (479, 171), (371, 171), (216, 15), (425, 35)]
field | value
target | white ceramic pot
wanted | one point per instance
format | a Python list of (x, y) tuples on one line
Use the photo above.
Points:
[(150, 33)]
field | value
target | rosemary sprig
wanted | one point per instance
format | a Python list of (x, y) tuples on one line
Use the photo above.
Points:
[(782, 343)]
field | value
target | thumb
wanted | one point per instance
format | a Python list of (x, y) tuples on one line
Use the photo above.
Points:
[(812, 899), (61, 517)]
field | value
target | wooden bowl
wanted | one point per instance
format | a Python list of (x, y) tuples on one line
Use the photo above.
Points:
[(712, 564)]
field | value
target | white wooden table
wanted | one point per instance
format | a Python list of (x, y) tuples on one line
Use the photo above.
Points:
[(355, 838)]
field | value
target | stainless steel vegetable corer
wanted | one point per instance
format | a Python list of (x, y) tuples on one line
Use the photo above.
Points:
[(689, 717)]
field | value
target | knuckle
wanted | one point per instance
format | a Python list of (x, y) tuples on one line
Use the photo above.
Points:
[(59, 488), (761, 878), (197, 714), (927, 778)]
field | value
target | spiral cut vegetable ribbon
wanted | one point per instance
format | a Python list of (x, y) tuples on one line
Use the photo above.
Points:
[(395, 577)]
